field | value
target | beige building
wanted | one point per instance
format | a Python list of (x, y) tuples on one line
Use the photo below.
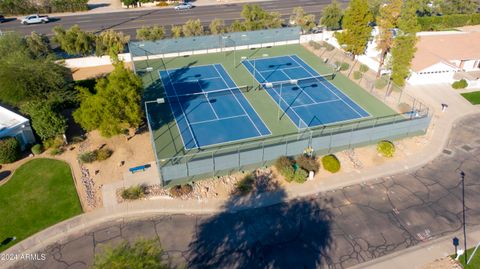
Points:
[(14, 125), (444, 57)]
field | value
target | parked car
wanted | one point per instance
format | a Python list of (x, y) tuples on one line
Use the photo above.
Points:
[(183, 6), (35, 18), (2, 18)]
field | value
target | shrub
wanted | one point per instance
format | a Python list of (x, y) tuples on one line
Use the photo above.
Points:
[(363, 68), (381, 83), (87, 157), (9, 150), (315, 45), (328, 46), (343, 65), (181, 190), (331, 163), (460, 84), (134, 192), (37, 149), (308, 163), (386, 148), (77, 139), (103, 154), (288, 173), (245, 185), (56, 151), (404, 107), (55, 142), (357, 75), (300, 176), (162, 4), (282, 162)]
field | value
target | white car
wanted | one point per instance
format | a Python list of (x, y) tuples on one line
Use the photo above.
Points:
[(183, 6), (35, 18)]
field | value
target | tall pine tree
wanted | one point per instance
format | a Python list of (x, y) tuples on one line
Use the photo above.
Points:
[(404, 44), (356, 27)]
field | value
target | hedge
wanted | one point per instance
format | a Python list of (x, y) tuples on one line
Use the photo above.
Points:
[(436, 23), (460, 84), (37, 149), (9, 150), (386, 148), (331, 163)]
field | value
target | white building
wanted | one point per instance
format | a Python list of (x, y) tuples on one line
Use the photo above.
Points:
[(14, 125)]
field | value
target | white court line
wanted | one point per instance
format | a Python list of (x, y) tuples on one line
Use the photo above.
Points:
[(225, 118), (208, 100), (323, 102), (183, 112), (239, 102), (275, 101), (195, 80), (313, 100), (328, 88)]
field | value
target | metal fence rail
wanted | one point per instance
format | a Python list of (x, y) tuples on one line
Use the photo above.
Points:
[(141, 50), (323, 140)]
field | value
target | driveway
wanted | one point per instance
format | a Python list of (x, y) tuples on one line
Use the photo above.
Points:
[(336, 229)]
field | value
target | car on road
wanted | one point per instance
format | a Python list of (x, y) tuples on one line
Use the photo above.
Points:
[(2, 18), (35, 18), (183, 6)]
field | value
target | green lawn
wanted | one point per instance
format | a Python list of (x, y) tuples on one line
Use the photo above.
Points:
[(40, 193), (472, 97), (474, 263)]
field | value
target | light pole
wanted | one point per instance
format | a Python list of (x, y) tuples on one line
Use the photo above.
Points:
[(462, 176), (157, 101)]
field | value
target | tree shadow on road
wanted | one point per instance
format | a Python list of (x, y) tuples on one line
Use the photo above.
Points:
[(294, 234)]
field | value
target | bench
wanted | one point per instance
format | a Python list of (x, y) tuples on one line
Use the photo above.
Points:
[(137, 168)]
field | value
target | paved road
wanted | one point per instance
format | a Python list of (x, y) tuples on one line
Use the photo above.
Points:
[(336, 229), (129, 21)]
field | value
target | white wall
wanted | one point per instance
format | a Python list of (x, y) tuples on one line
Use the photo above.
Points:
[(93, 61)]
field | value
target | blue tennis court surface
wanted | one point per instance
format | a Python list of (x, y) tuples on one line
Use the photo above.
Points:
[(208, 107), (304, 95)]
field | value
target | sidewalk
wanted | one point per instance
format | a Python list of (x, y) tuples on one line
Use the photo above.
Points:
[(417, 256)]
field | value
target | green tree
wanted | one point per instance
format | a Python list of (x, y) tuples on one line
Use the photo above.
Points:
[(74, 40), (193, 28), (143, 254), (237, 26), (9, 150), (46, 118), (404, 44), (38, 44), (24, 77), (129, 3), (374, 6), (332, 16), (217, 27), (429, 7), (459, 6), (356, 27), (151, 33), (110, 43), (115, 104), (387, 21), (176, 31), (256, 18), (306, 21)]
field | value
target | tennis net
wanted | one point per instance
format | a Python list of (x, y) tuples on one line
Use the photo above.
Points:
[(208, 94), (304, 82)]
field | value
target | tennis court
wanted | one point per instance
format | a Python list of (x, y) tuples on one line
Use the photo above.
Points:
[(307, 97), (209, 107)]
